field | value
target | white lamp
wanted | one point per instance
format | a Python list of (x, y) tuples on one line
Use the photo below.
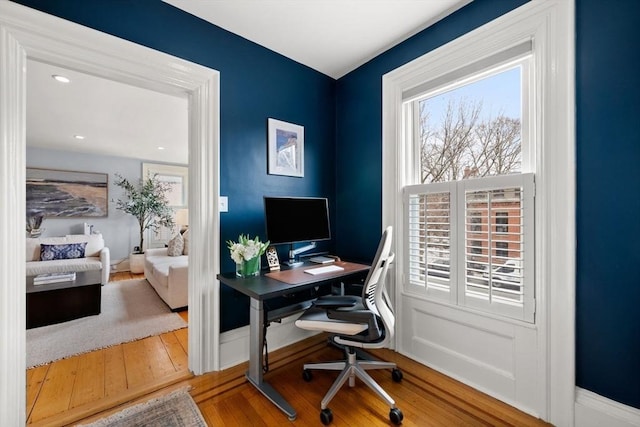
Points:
[(182, 219)]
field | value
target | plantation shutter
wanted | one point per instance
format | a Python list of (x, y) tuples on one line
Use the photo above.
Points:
[(471, 243)]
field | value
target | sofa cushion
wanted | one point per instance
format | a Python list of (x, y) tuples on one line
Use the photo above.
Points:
[(65, 251), (161, 269), (33, 246), (175, 246), (185, 237), (95, 243), (62, 266)]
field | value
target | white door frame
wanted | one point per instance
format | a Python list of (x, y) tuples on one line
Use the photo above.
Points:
[(552, 20), (27, 33)]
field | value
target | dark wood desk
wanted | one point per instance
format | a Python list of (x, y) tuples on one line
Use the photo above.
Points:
[(265, 287)]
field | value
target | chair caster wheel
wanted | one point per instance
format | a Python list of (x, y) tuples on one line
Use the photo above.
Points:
[(326, 416), (396, 374), (395, 415), (306, 375)]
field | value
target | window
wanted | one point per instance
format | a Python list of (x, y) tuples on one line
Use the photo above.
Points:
[(470, 207), (476, 221), (464, 267), (502, 249), (176, 177), (502, 222)]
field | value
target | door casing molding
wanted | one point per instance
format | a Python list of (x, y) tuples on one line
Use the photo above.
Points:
[(29, 34)]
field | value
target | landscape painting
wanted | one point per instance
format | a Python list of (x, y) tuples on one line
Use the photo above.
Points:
[(57, 193)]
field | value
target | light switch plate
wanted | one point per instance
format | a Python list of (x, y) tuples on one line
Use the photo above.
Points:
[(223, 204)]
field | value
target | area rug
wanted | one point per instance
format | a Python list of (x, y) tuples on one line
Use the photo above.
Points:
[(130, 310), (176, 409)]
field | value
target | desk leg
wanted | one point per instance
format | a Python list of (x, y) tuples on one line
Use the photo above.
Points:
[(254, 374)]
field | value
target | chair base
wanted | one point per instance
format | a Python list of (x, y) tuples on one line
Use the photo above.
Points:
[(352, 368)]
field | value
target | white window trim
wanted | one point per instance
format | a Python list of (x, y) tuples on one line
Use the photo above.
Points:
[(551, 24)]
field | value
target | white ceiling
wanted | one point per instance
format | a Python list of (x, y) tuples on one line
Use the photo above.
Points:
[(116, 119), (331, 36)]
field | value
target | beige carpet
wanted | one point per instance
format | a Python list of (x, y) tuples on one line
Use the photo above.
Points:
[(130, 310), (174, 410)]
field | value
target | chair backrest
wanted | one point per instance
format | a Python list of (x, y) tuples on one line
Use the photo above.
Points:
[(374, 293)]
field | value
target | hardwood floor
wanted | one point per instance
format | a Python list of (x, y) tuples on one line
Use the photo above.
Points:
[(88, 387)]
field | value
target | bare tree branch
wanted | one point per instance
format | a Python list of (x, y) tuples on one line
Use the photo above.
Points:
[(461, 146)]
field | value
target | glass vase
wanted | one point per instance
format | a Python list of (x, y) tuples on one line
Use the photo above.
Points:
[(249, 267)]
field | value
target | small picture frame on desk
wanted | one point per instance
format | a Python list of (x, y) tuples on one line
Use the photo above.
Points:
[(272, 259)]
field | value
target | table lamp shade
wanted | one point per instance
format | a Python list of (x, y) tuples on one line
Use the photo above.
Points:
[(182, 217)]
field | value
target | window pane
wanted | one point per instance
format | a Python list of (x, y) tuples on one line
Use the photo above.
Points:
[(429, 239), (494, 253), (473, 130)]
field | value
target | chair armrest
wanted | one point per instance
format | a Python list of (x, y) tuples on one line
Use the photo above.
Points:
[(105, 260), (155, 252), (335, 301)]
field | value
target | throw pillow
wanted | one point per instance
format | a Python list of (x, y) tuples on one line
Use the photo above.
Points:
[(67, 251), (185, 237), (175, 246)]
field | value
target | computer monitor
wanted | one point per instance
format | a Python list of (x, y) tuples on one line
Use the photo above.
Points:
[(292, 220)]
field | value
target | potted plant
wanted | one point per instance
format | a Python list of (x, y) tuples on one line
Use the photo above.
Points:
[(34, 222), (148, 202), (247, 254)]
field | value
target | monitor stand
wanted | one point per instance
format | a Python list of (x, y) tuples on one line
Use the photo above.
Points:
[(293, 263), (294, 252)]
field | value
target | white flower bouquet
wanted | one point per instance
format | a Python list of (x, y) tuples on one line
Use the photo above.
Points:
[(246, 253)]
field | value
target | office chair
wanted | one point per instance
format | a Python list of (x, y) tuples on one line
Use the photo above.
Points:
[(356, 322)]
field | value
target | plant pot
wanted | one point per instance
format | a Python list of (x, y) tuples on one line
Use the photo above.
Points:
[(136, 263)]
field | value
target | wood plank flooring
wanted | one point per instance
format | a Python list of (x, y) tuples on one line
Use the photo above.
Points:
[(88, 387)]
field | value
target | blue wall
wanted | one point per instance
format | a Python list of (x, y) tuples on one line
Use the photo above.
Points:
[(359, 126), (608, 174), (257, 84), (608, 199)]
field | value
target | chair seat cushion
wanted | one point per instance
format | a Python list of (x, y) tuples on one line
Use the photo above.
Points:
[(62, 266), (315, 319)]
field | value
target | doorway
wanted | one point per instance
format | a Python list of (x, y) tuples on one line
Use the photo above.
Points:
[(26, 33)]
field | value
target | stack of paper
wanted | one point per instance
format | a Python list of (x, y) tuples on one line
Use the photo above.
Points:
[(42, 279)]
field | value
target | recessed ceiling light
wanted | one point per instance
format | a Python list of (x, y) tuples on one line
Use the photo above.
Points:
[(78, 136), (61, 79), (160, 148)]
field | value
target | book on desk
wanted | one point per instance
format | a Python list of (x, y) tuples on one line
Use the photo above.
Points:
[(322, 259)]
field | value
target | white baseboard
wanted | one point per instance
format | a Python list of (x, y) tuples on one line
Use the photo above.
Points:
[(119, 265), (234, 345), (593, 410)]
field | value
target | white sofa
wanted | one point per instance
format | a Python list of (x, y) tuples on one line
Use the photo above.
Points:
[(168, 275), (96, 256)]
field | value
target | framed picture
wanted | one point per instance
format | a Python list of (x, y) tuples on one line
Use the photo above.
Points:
[(176, 178), (286, 148), (60, 193)]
